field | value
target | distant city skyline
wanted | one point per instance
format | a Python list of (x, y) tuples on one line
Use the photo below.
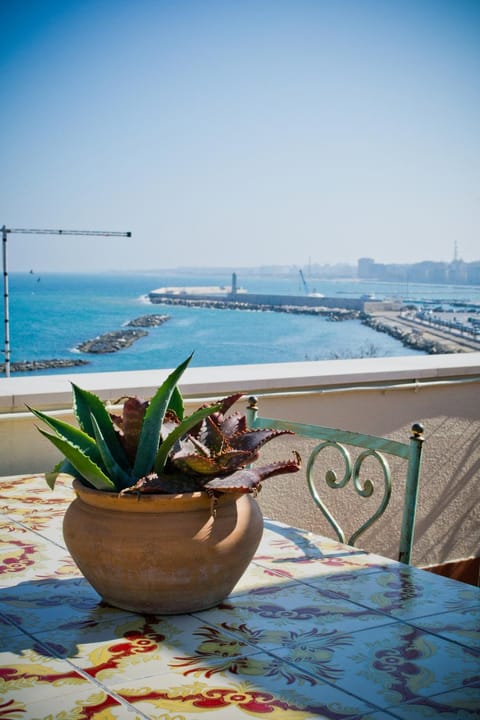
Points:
[(225, 133)]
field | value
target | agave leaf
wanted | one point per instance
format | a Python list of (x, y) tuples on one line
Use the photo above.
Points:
[(64, 466), (234, 424), (218, 417), (176, 403), (116, 473), (164, 484), (87, 405), (243, 481), (212, 437), (253, 440), (150, 435), (85, 467), (226, 404), (225, 463), (133, 415), (249, 479), (70, 434), (179, 431)]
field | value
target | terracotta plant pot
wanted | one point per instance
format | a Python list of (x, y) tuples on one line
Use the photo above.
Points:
[(161, 554)]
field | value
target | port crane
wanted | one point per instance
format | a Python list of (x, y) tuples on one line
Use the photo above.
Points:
[(304, 282), (29, 231)]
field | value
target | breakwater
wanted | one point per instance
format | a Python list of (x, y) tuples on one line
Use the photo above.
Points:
[(35, 365), (107, 343), (334, 309), (340, 313), (253, 301), (413, 337), (120, 339)]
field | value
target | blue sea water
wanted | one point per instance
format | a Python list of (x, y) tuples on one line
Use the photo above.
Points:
[(50, 314)]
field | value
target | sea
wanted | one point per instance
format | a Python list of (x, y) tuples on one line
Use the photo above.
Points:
[(50, 314)]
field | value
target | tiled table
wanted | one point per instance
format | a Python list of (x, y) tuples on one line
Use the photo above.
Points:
[(313, 630)]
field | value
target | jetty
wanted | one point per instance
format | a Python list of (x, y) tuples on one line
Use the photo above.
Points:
[(235, 298), (120, 339), (386, 316), (111, 341), (36, 365)]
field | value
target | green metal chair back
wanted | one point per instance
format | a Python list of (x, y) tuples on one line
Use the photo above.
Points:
[(372, 447)]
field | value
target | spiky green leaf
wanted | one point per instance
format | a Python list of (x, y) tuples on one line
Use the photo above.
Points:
[(117, 474), (87, 405), (176, 403), (150, 436), (61, 467), (70, 434), (84, 466)]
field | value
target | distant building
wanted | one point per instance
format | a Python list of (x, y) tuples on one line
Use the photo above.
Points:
[(428, 271)]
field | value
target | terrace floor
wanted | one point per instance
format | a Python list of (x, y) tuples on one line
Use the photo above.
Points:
[(314, 629)]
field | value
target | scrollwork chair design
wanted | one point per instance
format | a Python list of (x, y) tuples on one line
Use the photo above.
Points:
[(372, 447)]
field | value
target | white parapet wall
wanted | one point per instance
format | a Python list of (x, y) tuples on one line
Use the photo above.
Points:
[(381, 396)]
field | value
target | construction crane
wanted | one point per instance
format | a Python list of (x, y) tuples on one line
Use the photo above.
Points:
[(28, 231), (304, 282)]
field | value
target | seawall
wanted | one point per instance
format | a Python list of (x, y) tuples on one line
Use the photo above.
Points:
[(265, 300)]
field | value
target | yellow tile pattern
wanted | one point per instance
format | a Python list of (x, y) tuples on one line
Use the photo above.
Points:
[(314, 629)]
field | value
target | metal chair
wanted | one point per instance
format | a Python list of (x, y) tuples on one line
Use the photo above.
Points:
[(371, 447)]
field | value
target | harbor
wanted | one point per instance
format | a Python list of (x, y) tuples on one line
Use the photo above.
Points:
[(269, 319), (414, 327)]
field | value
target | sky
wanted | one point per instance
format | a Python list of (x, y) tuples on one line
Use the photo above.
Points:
[(227, 133)]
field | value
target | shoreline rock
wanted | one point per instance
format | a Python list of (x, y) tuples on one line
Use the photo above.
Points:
[(411, 338), (111, 342), (148, 321), (334, 314), (32, 365)]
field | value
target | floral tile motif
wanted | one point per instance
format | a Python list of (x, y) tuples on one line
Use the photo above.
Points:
[(292, 553), (260, 686), (27, 671), (461, 625), (314, 629), (308, 569), (402, 591), (22, 560), (30, 501), (54, 604), (257, 577), (389, 665), (280, 540), (84, 704), (460, 704), (281, 617), (140, 646)]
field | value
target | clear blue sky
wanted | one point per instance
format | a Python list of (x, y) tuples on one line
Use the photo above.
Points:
[(235, 133)]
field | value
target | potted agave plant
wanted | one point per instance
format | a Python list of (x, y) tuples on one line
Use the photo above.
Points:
[(165, 518)]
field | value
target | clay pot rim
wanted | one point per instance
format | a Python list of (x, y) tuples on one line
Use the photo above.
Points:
[(159, 502)]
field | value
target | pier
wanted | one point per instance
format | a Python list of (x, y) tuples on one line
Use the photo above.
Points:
[(386, 316)]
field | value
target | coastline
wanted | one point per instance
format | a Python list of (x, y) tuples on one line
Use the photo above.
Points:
[(46, 333), (415, 338)]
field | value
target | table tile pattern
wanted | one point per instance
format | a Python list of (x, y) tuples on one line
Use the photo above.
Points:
[(314, 629)]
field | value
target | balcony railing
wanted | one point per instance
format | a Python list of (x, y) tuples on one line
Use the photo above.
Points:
[(381, 396)]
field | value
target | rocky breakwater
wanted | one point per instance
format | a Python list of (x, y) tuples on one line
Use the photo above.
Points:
[(148, 321), (329, 313), (111, 342), (35, 365), (411, 337), (120, 339)]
